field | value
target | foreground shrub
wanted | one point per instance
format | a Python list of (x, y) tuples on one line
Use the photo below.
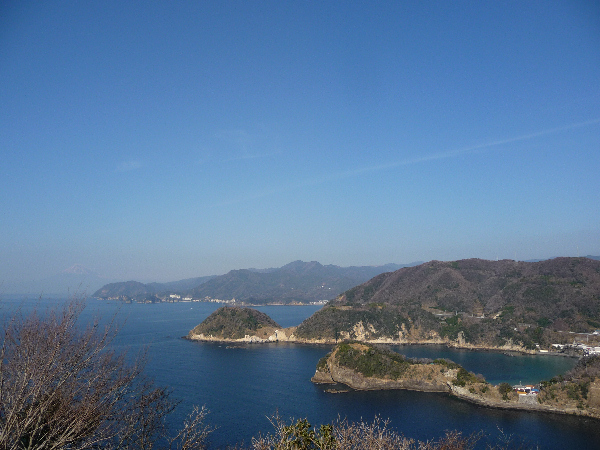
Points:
[(344, 435), (61, 387)]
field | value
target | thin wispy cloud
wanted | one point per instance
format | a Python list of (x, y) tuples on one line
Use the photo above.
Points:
[(458, 152), (128, 166), (409, 161)]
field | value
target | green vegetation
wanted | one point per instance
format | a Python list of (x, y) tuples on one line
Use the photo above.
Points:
[(593, 323), (523, 304), (505, 389), (330, 321), (573, 386), (322, 364), (381, 362), (543, 322), (507, 311), (372, 362), (449, 365), (453, 325), (464, 377), (234, 323)]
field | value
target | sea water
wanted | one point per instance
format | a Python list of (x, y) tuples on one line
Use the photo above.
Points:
[(243, 386)]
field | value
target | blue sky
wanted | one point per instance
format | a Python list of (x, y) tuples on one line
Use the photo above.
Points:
[(166, 140)]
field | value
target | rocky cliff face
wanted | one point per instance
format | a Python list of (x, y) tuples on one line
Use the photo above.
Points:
[(245, 325), (261, 336)]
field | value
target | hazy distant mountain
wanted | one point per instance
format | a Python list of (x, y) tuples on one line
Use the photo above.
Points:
[(297, 281), (597, 258), (137, 290), (71, 281), (179, 286), (78, 269), (123, 288)]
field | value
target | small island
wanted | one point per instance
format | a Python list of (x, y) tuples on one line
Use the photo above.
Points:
[(236, 324), (362, 366)]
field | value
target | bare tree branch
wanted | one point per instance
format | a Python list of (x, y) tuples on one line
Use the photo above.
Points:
[(62, 387)]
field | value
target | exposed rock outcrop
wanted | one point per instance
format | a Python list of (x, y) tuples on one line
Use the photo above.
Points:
[(247, 325)]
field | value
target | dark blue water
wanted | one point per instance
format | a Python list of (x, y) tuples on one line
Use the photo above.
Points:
[(496, 367), (243, 386)]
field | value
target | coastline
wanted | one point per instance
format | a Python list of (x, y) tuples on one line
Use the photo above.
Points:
[(439, 377), (465, 395), (287, 335)]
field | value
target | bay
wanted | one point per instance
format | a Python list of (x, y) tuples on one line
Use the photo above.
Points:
[(242, 386)]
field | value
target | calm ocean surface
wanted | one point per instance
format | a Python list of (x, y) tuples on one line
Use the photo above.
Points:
[(243, 386)]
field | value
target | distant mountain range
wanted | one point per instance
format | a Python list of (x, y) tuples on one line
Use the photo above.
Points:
[(296, 282), (261, 284), (135, 290)]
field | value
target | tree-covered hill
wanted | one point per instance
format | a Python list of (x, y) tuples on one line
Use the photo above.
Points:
[(484, 302), (235, 323)]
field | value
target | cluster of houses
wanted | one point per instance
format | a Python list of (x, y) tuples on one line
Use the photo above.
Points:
[(171, 298), (585, 349), (527, 393), (526, 389), (178, 298)]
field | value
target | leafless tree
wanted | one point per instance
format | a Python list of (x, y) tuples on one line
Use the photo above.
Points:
[(344, 435), (340, 435), (62, 387), (376, 435)]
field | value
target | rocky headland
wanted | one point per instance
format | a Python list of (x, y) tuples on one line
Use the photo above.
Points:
[(233, 324), (363, 366)]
